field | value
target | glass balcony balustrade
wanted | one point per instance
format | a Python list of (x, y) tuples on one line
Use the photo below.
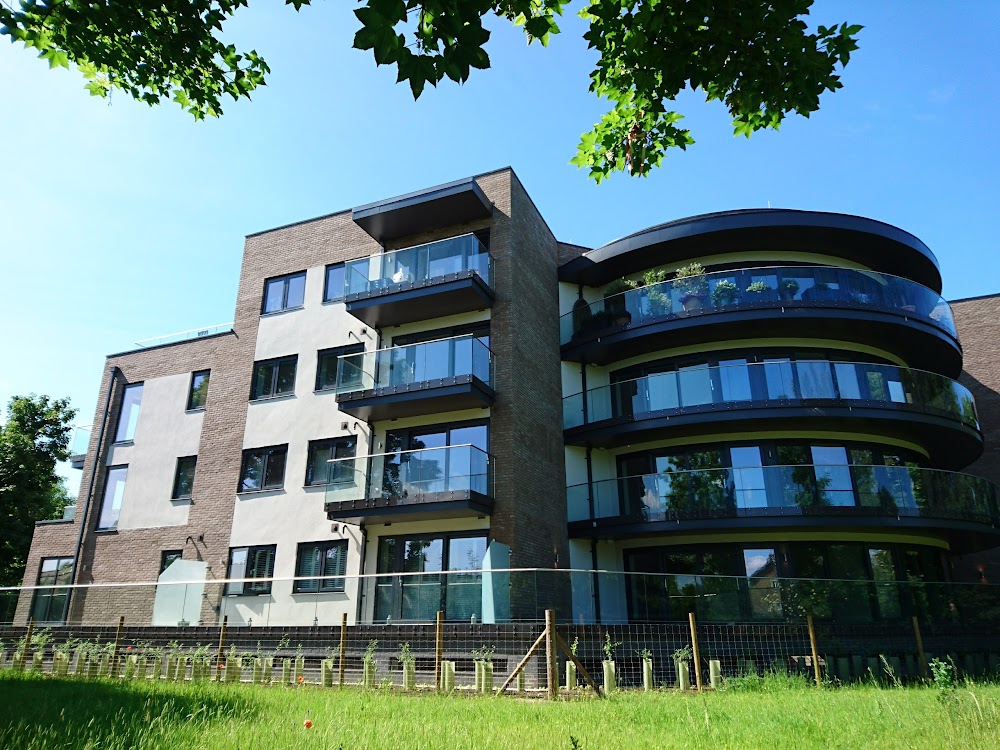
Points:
[(772, 383), (808, 489), (407, 366), (410, 477), (422, 264), (757, 288)]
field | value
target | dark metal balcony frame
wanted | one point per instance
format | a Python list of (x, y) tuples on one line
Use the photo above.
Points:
[(417, 399), (409, 301)]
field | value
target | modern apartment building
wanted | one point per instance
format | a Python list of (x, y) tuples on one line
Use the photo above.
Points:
[(434, 383)]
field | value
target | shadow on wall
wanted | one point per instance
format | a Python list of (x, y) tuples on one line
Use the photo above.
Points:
[(982, 566)]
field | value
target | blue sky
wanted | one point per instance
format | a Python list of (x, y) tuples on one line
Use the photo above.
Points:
[(123, 222)]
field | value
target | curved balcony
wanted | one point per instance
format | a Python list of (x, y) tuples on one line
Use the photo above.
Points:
[(796, 301), (964, 506), (915, 405)]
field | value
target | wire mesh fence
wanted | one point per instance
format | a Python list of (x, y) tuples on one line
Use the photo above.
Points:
[(414, 632)]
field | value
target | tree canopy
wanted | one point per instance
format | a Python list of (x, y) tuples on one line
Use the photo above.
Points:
[(758, 57), (34, 438)]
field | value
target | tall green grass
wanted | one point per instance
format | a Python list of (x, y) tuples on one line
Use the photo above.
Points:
[(42, 713)]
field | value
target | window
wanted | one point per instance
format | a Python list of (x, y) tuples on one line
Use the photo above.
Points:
[(273, 377), (168, 556), (184, 479), (284, 292), (333, 291), (322, 468), (263, 469), (199, 390), (114, 492), (250, 562), (49, 605), (328, 362), (129, 414), (328, 560)]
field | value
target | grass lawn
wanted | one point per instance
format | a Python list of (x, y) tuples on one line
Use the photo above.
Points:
[(42, 713)]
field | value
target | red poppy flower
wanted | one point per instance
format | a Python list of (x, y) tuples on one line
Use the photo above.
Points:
[(308, 722), (128, 648), (301, 678)]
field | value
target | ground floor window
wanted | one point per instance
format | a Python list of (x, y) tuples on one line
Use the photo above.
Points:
[(49, 605), (841, 581), (451, 565), (251, 562), (328, 560)]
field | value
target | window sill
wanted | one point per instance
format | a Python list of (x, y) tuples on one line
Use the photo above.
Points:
[(261, 492), (184, 499), (249, 594), (106, 531), (337, 301), (122, 443), (317, 593), (282, 312), (195, 410), (279, 397)]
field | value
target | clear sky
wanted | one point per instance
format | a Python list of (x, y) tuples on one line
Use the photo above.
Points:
[(123, 222)]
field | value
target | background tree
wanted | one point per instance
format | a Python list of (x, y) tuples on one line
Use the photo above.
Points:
[(34, 438), (758, 57)]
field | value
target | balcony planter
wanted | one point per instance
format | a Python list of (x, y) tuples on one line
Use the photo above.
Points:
[(787, 289), (610, 682), (571, 683), (647, 675), (409, 675), (693, 301), (725, 293), (692, 284)]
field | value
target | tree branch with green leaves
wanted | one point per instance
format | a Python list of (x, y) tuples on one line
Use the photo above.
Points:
[(758, 57)]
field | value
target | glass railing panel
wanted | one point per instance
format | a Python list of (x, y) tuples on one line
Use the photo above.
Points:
[(811, 489), (417, 264), (416, 363), (757, 288), (703, 387), (79, 440), (408, 476)]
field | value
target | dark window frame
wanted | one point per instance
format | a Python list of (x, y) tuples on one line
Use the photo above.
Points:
[(104, 497), (316, 444), (336, 351), (167, 557), (284, 278), (121, 412), (268, 451), (338, 580), (276, 362), (327, 298), (265, 587), (480, 329), (50, 594), (177, 478), (191, 390)]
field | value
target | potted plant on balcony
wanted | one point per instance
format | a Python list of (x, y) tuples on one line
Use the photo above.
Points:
[(610, 681), (690, 281), (657, 293), (757, 291), (821, 291), (787, 289), (725, 293), (614, 301), (408, 663)]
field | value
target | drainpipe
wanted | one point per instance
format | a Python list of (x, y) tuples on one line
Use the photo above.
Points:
[(90, 485)]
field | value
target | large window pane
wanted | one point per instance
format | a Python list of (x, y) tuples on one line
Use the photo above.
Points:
[(696, 385), (129, 415), (815, 380), (274, 295), (463, 597), (886, 587), (735, 378), (833, 476), (334, 287), (421, 595), (778, 375), (748, 477), (762, 573), (199, 389), (184, 481), (114, 493)]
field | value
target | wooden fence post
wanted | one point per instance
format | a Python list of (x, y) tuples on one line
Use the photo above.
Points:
[(695, 651), (815, 651), (438, 647), (920, 648), (222, 645), (119, 634), (343, 649), (27, 644), (551, 671)]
